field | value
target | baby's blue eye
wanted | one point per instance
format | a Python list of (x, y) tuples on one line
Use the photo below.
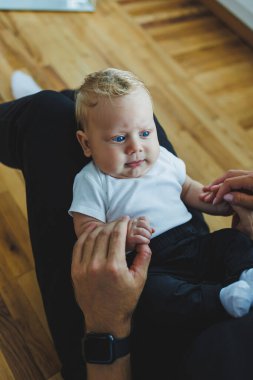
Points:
[(145, 133), (119, 138)]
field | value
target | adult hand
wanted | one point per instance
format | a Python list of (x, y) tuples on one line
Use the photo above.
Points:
[(243, 220), (235, 187), (107, 290)]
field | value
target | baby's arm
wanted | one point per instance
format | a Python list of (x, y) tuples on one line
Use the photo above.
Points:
[(139, 230), (191, 195), (82, 222)]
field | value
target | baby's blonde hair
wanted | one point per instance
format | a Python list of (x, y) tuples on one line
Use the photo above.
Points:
[(106, 83)]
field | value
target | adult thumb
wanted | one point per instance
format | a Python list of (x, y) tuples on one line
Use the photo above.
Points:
[(239, 199), (142, 259)]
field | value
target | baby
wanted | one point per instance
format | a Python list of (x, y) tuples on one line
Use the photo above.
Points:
[(130, 174)]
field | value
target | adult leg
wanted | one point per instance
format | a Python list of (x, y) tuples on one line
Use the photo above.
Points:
[(177, 311), (188, 271), (174, 306), (223, 351), (171, 313), (37, 135), (223, 255)]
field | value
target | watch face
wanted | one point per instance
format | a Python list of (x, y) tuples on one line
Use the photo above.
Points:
[(99, 348)]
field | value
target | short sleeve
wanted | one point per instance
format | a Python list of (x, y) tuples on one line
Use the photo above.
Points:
[(180, 169), (88, 196), (178, 166)]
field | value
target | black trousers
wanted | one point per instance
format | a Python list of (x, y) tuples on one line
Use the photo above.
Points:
[(37, 135), (181, 295)]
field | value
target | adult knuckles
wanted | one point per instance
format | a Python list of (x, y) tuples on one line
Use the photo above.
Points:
[(104, 233), (114, 270), (116, 233), (227, 182), (236, 172), (95, 268)]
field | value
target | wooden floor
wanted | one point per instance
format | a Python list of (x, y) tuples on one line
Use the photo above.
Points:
[(201, 77)]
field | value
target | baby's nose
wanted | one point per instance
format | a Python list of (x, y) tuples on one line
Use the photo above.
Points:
[(134, 146)]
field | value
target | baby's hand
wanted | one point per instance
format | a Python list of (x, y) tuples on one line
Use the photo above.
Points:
[(139, 232), (209, 193), (209, 196)]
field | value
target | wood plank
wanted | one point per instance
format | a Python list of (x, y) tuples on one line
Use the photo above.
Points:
[(26, 347), (14, 348), (5, 371), (231, 20), (13, 181), (28, 284), (15, 249)]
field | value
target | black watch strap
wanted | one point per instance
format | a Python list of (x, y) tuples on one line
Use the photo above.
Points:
[(122, 347)]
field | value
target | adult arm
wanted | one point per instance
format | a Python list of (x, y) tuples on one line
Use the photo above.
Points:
[(106, 290)]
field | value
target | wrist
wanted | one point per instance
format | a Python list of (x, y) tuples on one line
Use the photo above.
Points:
[(119, 369), (118, 330)]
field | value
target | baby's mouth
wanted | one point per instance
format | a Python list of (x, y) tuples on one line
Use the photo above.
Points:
[(134, 164)]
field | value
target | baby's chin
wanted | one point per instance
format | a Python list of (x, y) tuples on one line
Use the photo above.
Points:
[(133, 173)]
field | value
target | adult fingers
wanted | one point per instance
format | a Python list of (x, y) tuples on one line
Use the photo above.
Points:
[(89, 245), (235, 220), (239, 199), (101, 245), (230, 174), (243, 220), (141, 260), (117, 243), (244, 194), (78, 249), (243, 185)]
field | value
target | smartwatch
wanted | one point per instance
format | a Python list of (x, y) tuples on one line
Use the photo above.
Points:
[(104, 348)]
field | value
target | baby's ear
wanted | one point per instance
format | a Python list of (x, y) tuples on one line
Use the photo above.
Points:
[(83, 140)]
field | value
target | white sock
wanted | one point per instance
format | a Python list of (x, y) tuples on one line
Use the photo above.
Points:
[(237, 298), (23, 85), (247, 275)]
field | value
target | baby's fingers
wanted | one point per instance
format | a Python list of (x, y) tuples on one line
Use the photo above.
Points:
[(143, 222), (139, 231), (213, 188), (207, 197), (140, 239)]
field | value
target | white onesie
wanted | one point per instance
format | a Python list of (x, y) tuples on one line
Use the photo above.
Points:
[(155, 195)]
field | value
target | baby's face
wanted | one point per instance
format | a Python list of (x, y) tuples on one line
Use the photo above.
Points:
[(121, 135)]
